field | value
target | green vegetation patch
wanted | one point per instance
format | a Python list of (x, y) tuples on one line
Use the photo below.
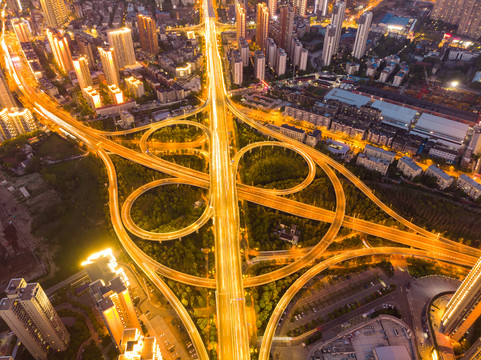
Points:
[(193, 162), (77, 221), (185, 255), (177, 134), (131, 176), (319, 193), (168, 208), (261, 224), (458, 221), (273, 168), (421, 267), (247, 135), (56, 148)]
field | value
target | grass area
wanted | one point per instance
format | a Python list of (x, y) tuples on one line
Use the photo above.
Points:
[(246, 135), (184, 254), (261, 223), (56, 148), (178, 133), (191, 161), (76, 226), (422, 267), (132, 176), (273, 168), (168, 208), (456, 220)]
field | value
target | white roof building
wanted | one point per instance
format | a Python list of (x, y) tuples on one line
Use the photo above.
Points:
[(449, 132), (395, 115), (347, 97)]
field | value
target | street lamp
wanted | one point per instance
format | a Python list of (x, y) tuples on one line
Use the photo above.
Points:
[(454, 84)]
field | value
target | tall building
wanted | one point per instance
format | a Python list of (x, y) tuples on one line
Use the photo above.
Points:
[(337, 19), (54, 12), (148, 34), (240, 18), (465, 306), (14, 5), (300, 7), (121, 41), (296, 52), (81, 67), (21, 29), (286, 26), (244, 51), (362, 34), (281, 62), (135, 87), (259, 65), (29, 314), (237, 68), (6, 97), (109, 289), (14, 121), (303, 56), (323, 8), (109, 65), (60, 49), (465, 13), (85, 48), (262, 25), (470, 21), (272, 5), (271, 53), (329, 47)]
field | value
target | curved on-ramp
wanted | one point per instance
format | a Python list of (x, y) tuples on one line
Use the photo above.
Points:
[(310, 163), (315, 270), (144, 262), (320, 247), (148, 126), (172, 122), (153, 236), (337, 166)]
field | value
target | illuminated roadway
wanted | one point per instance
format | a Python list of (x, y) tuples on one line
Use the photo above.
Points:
[(155, 236), (233, 339), (231, 318), (305, 183)]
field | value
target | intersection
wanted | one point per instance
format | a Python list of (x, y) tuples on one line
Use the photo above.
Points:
[(224, 193)]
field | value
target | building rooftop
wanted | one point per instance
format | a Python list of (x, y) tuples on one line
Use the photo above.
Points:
[(391, 353), (394, 114), (450, 132), (470, 181), (375, 159), (395, 21), (410, 162), (293, 128), (347, 97), (439, 172), (379, 150)]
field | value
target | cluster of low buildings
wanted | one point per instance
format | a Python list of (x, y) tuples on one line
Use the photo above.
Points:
[(402, 127), (379, 160)]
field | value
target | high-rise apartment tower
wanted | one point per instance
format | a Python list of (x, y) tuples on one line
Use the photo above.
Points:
[(30, 315)]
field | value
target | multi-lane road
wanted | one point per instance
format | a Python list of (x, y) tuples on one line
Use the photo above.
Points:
[(233, 341)]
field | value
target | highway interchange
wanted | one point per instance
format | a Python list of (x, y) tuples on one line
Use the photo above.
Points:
[(222, 207)]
